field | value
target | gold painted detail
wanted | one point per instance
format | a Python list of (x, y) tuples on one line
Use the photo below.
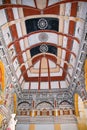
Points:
[(15, 102), (57, 127), (32, 127), (33, 113), (2, 77), (2, 82), (76, 104), (1, 118)]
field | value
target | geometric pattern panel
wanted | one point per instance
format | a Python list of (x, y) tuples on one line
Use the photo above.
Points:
[(36, 24), (43, 48)]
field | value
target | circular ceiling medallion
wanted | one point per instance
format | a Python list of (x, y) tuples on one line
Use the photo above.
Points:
[(43, 37), (43, 48), (42, 23)]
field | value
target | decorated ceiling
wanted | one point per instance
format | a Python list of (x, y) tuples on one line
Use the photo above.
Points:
[(43, 40)]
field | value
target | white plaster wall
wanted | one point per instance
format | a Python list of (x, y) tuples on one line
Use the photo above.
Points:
[(37, 127), (44, 127), (22, 127), (47, 127), (69, 127)]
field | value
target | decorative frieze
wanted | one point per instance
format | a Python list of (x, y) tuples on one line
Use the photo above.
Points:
[(47, 120)]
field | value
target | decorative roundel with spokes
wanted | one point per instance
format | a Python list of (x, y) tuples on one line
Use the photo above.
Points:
[(43, 48), (42, 23)]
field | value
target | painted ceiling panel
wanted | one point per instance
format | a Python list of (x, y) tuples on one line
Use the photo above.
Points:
[(44, 85), (15, 12), (36, 66), (26, 85), (43, 48), (57, 73), (51, 2), (22, 45), (34, 85), (24, 57), (36, 24), (33, 39), (54, 85), (65, 42), (28, 2), (66, 26), (52, 38), (68, 9), (41, 4), (44, 74), (19, 31), (63, 84), (63, 54), (43, 37), (52, 64), (75, 47), (30, 74)]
